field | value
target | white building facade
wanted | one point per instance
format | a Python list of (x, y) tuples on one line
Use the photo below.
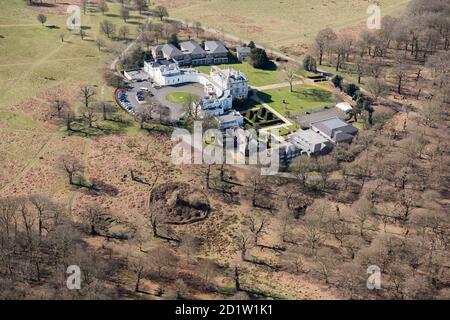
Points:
[(221, 86)]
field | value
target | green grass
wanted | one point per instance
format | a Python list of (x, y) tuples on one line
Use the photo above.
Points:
[(256, 77), (303, 98), (17, 121), (278, 24), (34, 58), (180, 97)]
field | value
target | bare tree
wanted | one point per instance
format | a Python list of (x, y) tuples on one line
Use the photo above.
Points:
[(139, 266), (46, 210), (290, 73), (124, 13), (42, 18), (161, 259), (84, 5), (208, 272), (377, 88), (257, 226), (72, 166), (141, 5), (147, 38), (363, 210), (89, 111), (245, 242), (108, 28), (59, 105), (161, 12), (198, 28), (124, 32), (100, 43), (103, 6), (106, 108), (323, 40), (400, 70), (189, 246)]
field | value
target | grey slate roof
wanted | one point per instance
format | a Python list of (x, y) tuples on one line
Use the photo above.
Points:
[(229, 117), (191, 47), (331, 126), (243, 50), (308, 136), (170, 51), (215, 47)]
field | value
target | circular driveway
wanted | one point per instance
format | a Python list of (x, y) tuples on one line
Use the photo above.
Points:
[(176, 109)]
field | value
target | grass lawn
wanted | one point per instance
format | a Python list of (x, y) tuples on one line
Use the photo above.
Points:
[(304, 98), (180, 97), (256, 77), (34, 58), (286, 24), (347, 75)]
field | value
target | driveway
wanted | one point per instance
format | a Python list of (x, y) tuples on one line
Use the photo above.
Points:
[(176, 110)]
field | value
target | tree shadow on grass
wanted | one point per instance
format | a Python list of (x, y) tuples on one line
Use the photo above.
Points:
[(112, 15), (106, 127), (134, 22), (43, 5), (159, 128), (265, 97)]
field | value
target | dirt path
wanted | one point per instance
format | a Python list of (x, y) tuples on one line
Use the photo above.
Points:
[(278, 85)]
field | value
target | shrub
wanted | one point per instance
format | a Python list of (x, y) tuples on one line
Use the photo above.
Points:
[(309, 64), (351, 89), (258, 58), (337, 81)]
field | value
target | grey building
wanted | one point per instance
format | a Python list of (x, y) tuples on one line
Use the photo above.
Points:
[(168, 52), (195, 53), (335, 130), (216, 52), (232, 119), (310, 142), (242, 53)]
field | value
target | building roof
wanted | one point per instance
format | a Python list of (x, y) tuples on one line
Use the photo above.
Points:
[(307, 136), (231, 116), (243, 49), (162, 62), (344, 106), (169, 50), (329, 126), (215, 47), (232, 74), (191, 47)]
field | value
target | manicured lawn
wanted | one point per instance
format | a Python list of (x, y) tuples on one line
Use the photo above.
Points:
[(303, 98), (180, 97), (256, 77)]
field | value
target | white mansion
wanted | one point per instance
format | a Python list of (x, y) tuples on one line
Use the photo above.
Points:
[(221, 87)]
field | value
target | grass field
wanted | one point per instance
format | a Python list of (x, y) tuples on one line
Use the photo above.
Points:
[(180, 97), (278, 24), (304, 98), (256, 77), (34, 58)]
